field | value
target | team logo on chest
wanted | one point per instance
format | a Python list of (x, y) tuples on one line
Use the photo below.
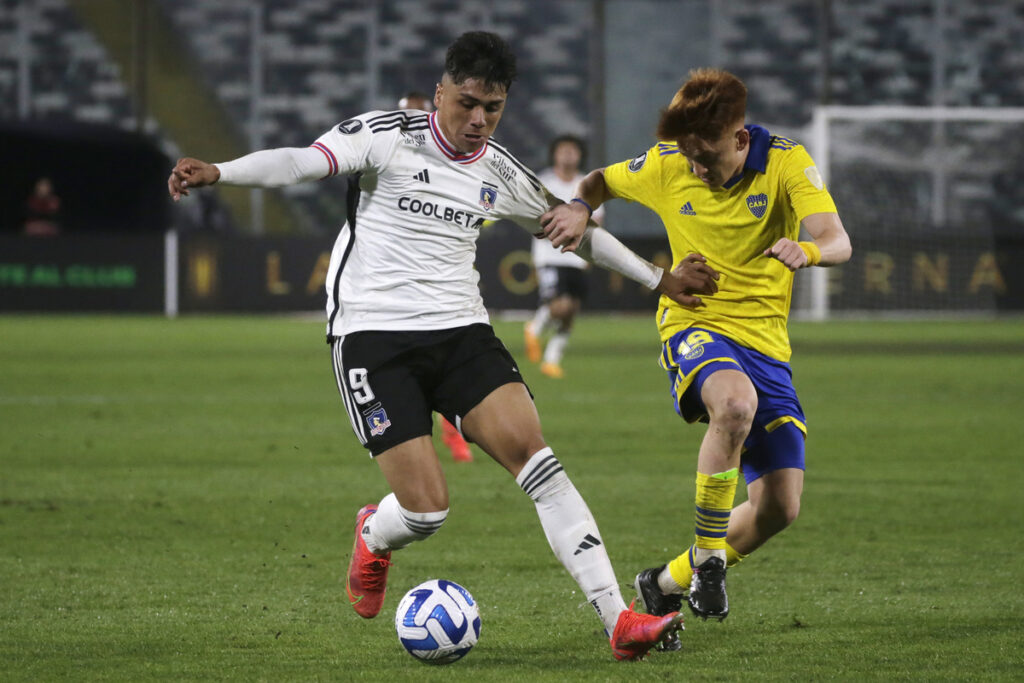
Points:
[(488, 196), (758, 204)]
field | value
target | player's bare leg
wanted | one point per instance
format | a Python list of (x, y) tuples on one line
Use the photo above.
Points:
[(731, 401), (506, 426), (415, 509), (773, 503)]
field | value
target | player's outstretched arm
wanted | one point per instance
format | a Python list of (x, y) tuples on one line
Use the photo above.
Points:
[(266, 168), (830, 245), (692, 276), (565, 224)]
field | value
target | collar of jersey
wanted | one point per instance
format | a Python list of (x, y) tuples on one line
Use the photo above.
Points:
[(447, 149), (757, 157)]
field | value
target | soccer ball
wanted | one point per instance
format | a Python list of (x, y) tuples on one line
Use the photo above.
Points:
[(438, 622)]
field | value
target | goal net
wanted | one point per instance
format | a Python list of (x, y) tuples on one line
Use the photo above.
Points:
[(933, 199)]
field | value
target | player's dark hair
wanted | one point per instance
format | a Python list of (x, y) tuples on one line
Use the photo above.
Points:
[(481, 55), (571, 139), (709, 102)]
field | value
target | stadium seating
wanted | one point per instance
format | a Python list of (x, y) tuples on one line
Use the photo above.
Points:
[(71, 75), (317, 66), (324, 60)]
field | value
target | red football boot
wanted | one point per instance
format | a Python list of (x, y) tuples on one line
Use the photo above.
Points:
[(367, 572), (453, 440), (635, 634)]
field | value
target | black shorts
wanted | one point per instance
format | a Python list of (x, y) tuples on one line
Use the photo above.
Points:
[(556, 281), (391, 382)]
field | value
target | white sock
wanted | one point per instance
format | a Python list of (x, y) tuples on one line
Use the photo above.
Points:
[(393, 527), (701, 554), (572, 533), (555, 349), (540, 319), (668, 585)]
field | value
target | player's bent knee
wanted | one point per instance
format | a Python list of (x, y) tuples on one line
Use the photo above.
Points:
[(777, 514), (734, 415), (787, 512)]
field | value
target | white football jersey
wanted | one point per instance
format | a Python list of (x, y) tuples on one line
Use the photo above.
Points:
[(543, 252), (404, 260)]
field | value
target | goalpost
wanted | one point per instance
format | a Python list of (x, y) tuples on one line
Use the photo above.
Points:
[(933, 199)]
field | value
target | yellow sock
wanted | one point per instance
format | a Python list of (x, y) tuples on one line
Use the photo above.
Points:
[(681, 568), (732, 556), (715, 493)]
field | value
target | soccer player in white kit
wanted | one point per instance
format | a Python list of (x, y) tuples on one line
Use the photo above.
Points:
[(561, 276), (407, 326)]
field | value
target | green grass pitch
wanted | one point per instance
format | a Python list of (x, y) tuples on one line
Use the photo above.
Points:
[(177, 497)]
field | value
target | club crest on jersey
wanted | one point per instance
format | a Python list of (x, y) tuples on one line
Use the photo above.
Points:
[(350, 127), (690, 352), (758, 204), (638, 163), (488, 196), (378, 421)]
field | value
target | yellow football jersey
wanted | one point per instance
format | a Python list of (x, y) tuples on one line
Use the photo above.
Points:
[(731, 226)]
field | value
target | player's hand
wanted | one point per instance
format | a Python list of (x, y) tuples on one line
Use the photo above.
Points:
[(189, 173), (692, 276), (788, 253), (565, 224)]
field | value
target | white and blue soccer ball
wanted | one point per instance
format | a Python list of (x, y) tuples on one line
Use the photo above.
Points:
[(438, 622)]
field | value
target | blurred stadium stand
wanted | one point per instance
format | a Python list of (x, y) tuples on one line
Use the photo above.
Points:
[(255, 74)]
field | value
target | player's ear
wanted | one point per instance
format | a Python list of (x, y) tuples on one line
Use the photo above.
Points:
[(437, 96), (742, 139)]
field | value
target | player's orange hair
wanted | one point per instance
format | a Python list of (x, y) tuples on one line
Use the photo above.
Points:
[(709, 102)]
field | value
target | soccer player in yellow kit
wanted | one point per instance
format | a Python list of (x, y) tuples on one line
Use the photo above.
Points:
[(737, 196)]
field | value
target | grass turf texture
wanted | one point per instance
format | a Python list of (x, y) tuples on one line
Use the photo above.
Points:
[(177, 500)]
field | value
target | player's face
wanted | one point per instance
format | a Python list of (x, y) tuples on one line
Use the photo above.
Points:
[(716, 161), (567, 155), (468, 112)]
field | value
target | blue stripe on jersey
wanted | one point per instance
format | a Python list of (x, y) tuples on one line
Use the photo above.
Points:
[(783, 143)]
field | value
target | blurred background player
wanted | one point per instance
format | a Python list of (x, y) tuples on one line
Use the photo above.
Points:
[(561, 277), (450, 436), (738, 195)]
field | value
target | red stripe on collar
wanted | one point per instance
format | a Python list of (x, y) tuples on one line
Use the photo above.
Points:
[(447, 149)]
